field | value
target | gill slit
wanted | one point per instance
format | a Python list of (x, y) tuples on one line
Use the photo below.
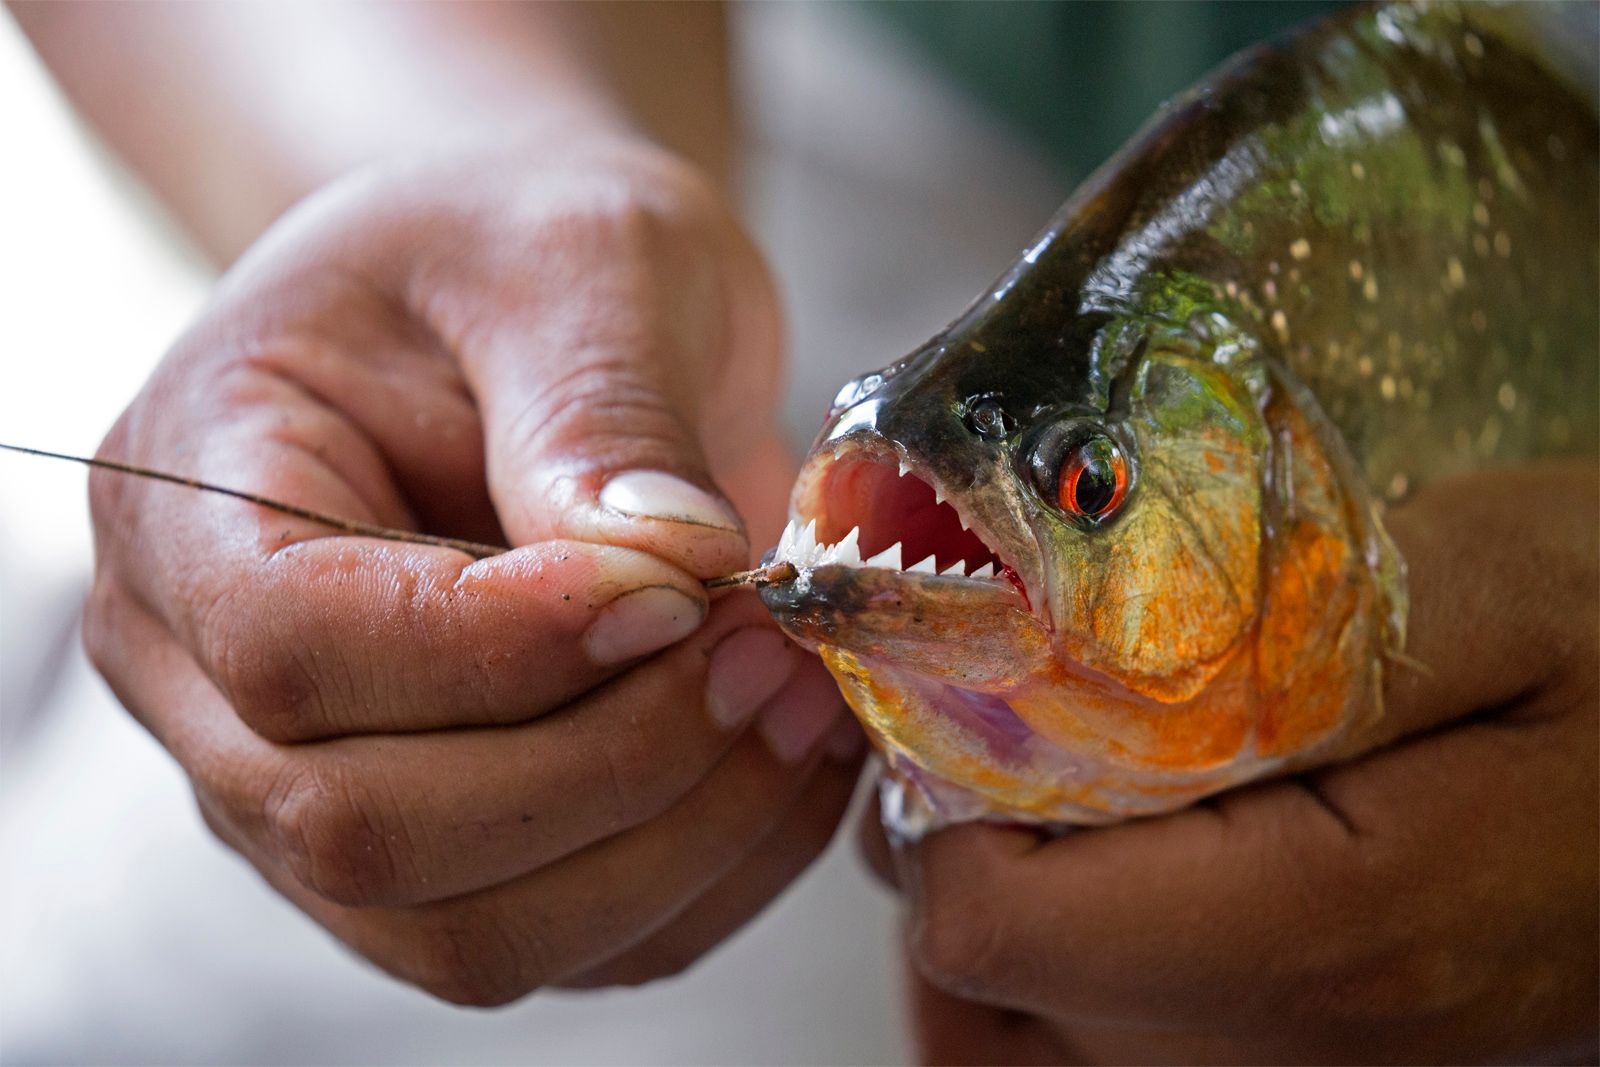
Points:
[(1119, 400)]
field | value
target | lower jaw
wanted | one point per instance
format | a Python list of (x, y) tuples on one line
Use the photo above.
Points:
[(958, 756)]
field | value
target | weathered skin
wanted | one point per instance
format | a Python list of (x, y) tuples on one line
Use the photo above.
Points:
[(1346, 265)]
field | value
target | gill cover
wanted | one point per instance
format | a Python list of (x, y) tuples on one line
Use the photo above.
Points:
[(1161, 592)]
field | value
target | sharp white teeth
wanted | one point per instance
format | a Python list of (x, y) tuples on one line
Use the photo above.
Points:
[(889, 558), (938, 495), (904, 470), (848, 551), (806, 543), (799, 546)]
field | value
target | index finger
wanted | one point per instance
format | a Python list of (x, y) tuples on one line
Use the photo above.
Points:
[(311, 636)]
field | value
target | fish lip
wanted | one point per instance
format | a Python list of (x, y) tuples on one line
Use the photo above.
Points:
[(976, 635), (840, 574), (807, 504)]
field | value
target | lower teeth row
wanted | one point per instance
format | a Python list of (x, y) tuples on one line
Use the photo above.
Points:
[(800, 547)]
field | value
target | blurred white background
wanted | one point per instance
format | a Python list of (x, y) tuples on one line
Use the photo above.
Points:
[(884, 202)]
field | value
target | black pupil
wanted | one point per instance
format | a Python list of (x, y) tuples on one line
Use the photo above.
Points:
[(1096, 485)]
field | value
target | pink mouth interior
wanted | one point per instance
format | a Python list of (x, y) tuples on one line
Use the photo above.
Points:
[(889, 507)]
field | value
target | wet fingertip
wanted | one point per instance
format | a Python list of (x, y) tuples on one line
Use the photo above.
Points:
[(674, 520), (747, 667), (793, 728), (701, 552), (663, 497)]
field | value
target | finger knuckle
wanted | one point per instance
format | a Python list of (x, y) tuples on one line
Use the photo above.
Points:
[(471, 959), (958, 943), (623, 214), (105, 496), (334, 839), (1358, 997), (267, 681), (97, 632), (218, 828), (108, 489), (628, 212), (632, 784), (604, 403)]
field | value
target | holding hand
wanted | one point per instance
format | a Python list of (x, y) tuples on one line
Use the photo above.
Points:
[(537, 768), (1433, 902)]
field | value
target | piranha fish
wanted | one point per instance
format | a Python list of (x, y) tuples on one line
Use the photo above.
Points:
[(1113, 540)]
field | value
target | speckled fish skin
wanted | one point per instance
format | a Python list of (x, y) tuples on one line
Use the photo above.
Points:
[(1348, 264)]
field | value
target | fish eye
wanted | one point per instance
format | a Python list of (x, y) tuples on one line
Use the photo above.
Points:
[(1087, 479), (1094, 479)]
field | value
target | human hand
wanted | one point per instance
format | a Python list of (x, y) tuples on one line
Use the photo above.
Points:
[(533, 769), (1435, 901)]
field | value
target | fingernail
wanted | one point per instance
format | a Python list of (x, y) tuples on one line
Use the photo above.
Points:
[(658, 495), (794, 722), (643, 621), (747, 667), (845, 740)]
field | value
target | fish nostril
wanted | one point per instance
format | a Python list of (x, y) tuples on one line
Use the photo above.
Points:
[(987, 417)]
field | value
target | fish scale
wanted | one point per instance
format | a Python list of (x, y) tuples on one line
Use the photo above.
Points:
[(1407, 263)]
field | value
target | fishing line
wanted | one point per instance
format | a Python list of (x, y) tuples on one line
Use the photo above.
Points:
[(477, 550)]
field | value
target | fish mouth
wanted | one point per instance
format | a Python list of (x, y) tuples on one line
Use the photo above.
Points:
[(924, 618), (862, 503)]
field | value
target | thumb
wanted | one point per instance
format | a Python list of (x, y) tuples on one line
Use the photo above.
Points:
[(590, 419), (1502, 598), (599, 455)]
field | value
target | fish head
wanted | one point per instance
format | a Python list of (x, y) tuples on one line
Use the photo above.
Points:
[(1020, 546)]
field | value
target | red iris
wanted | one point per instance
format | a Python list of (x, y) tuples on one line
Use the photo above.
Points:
[(1094, 479)]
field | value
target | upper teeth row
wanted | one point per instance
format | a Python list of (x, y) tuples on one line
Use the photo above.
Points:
[(800, 548)]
